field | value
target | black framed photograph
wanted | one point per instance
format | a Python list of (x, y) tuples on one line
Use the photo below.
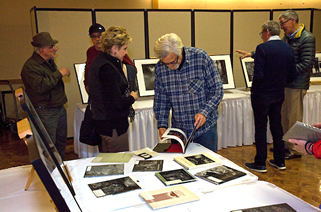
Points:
[(316, 70), (224, 67), (80, 74), (248, 70), (146, 76)]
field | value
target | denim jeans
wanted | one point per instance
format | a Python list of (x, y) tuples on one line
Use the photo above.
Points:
[(209, 139), (55, 122)]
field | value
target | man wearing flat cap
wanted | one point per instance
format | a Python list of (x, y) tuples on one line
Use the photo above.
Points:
[(45, 88)]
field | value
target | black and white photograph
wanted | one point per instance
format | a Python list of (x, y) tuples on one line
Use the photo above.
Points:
[(146, 76), (115, 186), (148, 165), (80, 74), (316, 70), (176, 176), (224, 67), (199, 159), (248, 70), (220, 174), (104, 170)]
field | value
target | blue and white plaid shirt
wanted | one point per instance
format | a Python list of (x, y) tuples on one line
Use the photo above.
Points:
[(195, 88)]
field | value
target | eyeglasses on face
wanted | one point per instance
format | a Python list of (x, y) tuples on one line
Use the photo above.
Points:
[(282, 23), (171, 63), (94, 36), (52, 47)]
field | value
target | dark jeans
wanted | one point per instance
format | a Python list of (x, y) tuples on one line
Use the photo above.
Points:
[(55, 122), (264, 106), (209, 139)]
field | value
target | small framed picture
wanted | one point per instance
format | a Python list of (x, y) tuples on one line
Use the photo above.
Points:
[(316, 70), (80, 74), (146, 76), (248, 70), (224, 67)]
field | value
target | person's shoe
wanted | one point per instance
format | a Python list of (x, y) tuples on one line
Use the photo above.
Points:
[(255, 167), (290, 155), (280, 166)]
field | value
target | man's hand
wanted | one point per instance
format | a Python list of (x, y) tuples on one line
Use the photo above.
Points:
[(65, 72), (244, 53), (299, 145), (200, 120), (318, 125), (161, 132)]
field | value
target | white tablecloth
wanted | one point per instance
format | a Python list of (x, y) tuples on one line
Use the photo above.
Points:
[(244, 192), (235, 123)]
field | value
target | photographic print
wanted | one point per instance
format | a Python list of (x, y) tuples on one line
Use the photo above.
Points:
[(104, 170), (220, 174), (148, 165), (248, 70), (146, 76), (176, 176), (80, 74), (115, 186), (224, 67), (197, 160), (316, 70)]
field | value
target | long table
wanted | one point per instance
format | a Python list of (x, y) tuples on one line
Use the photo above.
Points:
[(244, 192), (235, 123)]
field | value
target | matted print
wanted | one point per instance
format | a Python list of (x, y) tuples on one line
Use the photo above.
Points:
[(224, 67), (248, 70), (146, 76), (316, 70)]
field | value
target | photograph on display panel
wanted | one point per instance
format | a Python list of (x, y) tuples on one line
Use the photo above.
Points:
[(146, 76), (316, 70), (248, 70), (80, 74), (224, 67)]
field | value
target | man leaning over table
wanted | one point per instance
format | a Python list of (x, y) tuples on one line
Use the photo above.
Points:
[(187, 83)]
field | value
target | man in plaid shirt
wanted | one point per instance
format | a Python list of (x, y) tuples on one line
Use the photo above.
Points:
[(188, 83)]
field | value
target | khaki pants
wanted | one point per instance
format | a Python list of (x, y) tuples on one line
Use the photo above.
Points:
[(115, 143), (292, 109)]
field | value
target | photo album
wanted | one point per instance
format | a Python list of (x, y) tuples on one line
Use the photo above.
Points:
[(220, 174), (302, 131), (177, 176), (197, 160), (174, 141)]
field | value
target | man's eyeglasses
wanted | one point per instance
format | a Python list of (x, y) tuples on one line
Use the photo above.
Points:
[(171, 63), (282, 23), (52, 47), (94, 36)]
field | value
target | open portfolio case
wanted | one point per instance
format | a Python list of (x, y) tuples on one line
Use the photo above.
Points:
[(46, 160)]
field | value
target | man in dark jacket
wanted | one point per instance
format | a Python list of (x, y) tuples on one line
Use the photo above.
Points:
[(45, 88), (271, 75), (303, 44)]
